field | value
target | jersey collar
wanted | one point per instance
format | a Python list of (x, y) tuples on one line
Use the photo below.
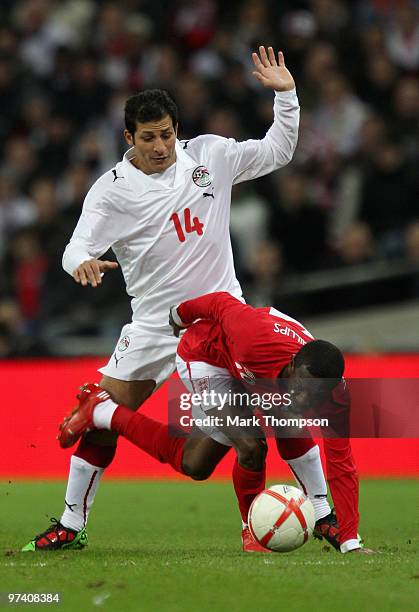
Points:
[(142, 183)]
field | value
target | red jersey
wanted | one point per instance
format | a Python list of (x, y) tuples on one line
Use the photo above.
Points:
[(259, 343)]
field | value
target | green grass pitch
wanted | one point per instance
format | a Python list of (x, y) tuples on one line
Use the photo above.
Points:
[(175, 546)]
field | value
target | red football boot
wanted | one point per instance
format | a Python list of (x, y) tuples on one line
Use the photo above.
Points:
[(81, 419), (328, 528), (250, 544), (57, 537)]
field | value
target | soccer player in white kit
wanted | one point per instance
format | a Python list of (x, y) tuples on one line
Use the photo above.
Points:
[(164, 210)]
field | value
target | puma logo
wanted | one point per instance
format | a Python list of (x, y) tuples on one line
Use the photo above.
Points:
[(118, 360), (115, 175), (209, 195)]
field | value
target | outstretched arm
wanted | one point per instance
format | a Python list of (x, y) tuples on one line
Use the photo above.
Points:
[(342, 478), (254, 158), (342, 475), (218, 306)]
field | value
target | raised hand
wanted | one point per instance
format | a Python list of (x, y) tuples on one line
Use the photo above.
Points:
[(270, 72), (90, 272)]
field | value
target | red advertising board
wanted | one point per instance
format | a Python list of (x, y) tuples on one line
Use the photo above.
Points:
[(36, 394)]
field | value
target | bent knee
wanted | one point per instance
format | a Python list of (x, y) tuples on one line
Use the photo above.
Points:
[(131, 394), (196, 472), (251, 453)]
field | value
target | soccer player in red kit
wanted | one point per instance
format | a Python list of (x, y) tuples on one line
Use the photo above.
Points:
[(230, 341)]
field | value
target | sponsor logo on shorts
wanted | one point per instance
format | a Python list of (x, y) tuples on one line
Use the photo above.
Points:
[(123, 344), (201, 176)]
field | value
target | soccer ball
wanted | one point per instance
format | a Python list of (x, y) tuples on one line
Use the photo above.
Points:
[(281, 518)]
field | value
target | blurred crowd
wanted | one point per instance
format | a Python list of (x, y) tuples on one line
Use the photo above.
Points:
[(349, 197)]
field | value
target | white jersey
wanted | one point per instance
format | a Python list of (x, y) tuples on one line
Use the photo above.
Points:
[(172, 242)]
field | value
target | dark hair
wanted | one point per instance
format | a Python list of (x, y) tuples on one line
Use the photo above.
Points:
[(149, 105), (322, 359)]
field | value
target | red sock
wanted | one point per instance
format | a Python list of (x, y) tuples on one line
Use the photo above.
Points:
[(247, 485), (292, 448), (99, 456), (149, 435)]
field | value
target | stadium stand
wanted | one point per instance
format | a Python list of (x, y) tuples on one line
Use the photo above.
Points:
[(337, 230)]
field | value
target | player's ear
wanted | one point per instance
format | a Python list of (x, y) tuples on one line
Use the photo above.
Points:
[(129, 138), (292, 366), (176, 129)]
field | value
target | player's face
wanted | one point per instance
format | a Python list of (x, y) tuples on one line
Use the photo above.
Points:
[(306, 391), (154, 144)]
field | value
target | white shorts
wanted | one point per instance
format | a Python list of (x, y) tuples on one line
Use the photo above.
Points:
[(193, 373), (143, 353)]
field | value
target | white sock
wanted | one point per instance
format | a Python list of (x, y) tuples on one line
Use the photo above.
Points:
[(308, 472), (103, 413), (83, 481)]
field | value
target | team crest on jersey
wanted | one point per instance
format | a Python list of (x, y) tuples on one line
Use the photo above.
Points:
[(201, 176), (123, 344)]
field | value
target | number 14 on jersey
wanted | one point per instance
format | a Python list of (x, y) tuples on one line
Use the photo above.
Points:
[(195, 226)]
